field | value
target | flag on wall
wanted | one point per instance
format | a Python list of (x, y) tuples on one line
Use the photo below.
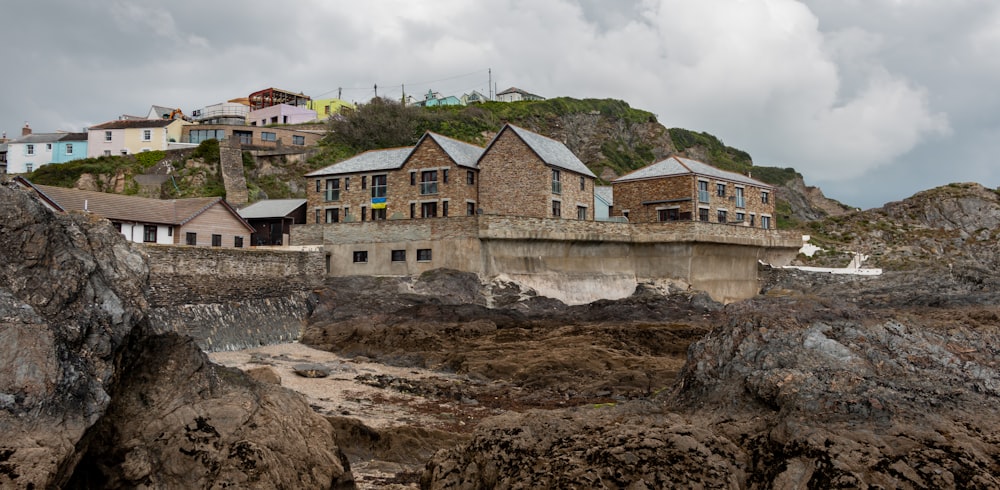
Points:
[(378, 203)]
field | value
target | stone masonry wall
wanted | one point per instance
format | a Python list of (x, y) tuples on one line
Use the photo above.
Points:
[(231, 298), (515, 182), (233, 177), (430, 156), (629, 197)]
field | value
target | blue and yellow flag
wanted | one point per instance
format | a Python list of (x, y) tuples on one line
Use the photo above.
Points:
[(378, 203)]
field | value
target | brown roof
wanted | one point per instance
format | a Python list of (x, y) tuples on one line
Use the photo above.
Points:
[(132, 124), (117, 207)]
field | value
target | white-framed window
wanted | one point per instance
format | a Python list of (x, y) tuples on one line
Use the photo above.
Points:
[(556, 186), (703, 191), (147, 134), (764, 198), (107, 136), (107, 153), (29, 167), (765, 222), (30, 149), (69, 148)]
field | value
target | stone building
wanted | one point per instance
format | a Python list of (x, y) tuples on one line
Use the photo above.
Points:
[(526, 174), (681, 189), (437, 177)]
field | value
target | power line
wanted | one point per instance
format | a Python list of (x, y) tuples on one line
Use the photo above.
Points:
[(399, 86)]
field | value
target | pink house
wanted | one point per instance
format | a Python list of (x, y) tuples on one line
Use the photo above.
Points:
[(280, 114)]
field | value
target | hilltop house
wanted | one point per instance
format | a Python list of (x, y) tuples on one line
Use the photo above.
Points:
[(526, 174), (256, 136), (133, 136), (206, 221), (32, 151), (474, 97), (328, 107), (271, 219), (229, 113), (681, 189), (433, 99), (515, 94), (436, 177), (281, 114)]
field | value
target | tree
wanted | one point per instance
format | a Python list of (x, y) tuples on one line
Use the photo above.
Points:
[(381, 123)]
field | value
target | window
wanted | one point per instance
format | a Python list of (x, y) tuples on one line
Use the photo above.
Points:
[(298, 140), (378, 214), (470, 209), (333, 215), (740, 201), (720, 190), (752, 217), (556, 209), (361, 257), (364, 213), (581, 213), (268, 136), (413, 178), (30, 149), (191, 238), (722, 216), (740, 217), (765, 222), (118, 227), (702, 214), (238, 242), (48, 146), (583, 183), (378, 185), (444, 175), (318, 214), (444, 208), (107, 136), (332, 191), (147, 134), (216, 240), (364, 182), (423, 255), (399, 255), (763, 199), (556, 186), (347, 183), (28, 167), (319, 188), (428, 209), (470, 177), (69, 148), (673, 214), (413, 210), (703, 192), (428, 182), (107, 153), (149, 233)]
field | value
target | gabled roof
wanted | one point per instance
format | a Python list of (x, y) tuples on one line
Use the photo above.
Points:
[(271, 208), (371, 160), (515, 90), (548, 150), (117, 207), (462, 153), (685, 166), (605, 193), (139, 123), (163, 112), (36, 138)]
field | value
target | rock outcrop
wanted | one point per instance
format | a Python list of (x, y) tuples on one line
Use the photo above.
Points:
[(787, 393), (82, 378)]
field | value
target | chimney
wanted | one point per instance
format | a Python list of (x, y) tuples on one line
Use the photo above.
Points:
[(26, 130)]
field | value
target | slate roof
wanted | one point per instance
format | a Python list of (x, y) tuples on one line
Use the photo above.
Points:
[(464, 154), (550, 151), (132, 124), (117, 207), (36, 138), (515, 90), (685, 166), (163, 112), (605, 192), (271, 208), (371, 160)]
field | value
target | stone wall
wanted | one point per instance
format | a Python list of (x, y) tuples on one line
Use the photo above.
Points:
[(233, 176), (231, 298), (681, 193)]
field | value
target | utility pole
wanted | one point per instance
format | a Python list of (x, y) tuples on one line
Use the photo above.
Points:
[(403, 101), (376, 90), (490, 85), (339, 90)]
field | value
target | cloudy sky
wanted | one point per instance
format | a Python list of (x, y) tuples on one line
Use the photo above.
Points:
[(871, 100)]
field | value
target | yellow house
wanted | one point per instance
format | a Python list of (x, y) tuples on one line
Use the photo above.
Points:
[(327, 107), (133, 136)]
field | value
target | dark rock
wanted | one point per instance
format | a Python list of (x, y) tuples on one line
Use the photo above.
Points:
[(311, 370)]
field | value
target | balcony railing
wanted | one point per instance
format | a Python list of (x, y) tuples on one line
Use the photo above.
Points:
[(556, 187), (378, 191), (332, 194), (428, 188), (702, 196)]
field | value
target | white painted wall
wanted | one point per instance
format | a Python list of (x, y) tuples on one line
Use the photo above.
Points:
[(133, 233)]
